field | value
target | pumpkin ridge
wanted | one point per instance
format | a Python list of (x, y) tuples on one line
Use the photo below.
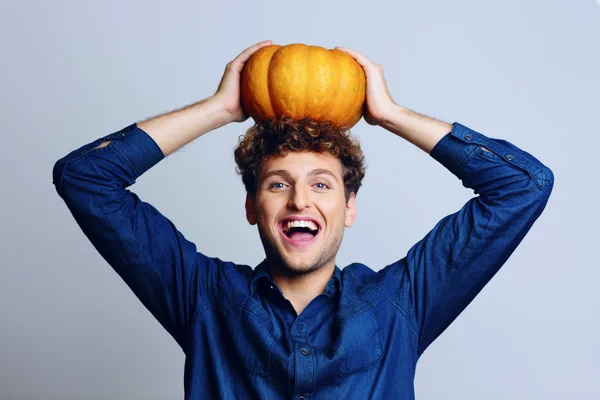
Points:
[(269, 101), (303, 81), (342, 104), (322, 84), (338, 74)]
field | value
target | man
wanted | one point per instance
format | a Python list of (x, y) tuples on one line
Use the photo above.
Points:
[(297, 326)]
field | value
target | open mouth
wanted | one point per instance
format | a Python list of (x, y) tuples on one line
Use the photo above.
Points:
[(300, 232)]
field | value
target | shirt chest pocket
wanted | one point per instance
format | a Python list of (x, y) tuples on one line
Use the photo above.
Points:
[(358, 345), (250, 331)]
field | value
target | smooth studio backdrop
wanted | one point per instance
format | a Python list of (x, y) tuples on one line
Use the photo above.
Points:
[(522, 70)]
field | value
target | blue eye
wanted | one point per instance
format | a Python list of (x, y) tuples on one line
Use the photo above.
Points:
[(324, 186), (273, 185)]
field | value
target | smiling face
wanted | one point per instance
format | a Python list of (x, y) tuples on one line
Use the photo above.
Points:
[(295, 194)]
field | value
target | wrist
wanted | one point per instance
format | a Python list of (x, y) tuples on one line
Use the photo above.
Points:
[(219, 110), (390, 118)]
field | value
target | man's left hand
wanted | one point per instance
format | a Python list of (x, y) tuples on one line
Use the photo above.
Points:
[(379, 101)]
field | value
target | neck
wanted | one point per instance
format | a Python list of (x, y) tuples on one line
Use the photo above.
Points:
[(301, 289)]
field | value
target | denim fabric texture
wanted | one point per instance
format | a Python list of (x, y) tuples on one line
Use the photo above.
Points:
[(362, 337)]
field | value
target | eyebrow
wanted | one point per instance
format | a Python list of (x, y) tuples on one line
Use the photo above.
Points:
[(322, 171), (284, 173)]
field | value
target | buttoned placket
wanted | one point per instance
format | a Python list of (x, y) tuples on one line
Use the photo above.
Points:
[(303, 357), (303, 353)]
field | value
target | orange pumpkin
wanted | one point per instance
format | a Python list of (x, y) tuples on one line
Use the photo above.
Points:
[(303, 81)]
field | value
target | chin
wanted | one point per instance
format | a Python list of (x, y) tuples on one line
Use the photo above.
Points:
[(294, 267)]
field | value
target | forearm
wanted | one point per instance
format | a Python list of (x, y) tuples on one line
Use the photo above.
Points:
[(420, 130), (175, 129)]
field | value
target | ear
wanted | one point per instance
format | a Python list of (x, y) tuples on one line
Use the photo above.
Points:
[(250, 214), (350, 210)]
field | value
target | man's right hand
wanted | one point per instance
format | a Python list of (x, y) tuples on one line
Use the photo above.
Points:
[(229, 92), (175, 129)]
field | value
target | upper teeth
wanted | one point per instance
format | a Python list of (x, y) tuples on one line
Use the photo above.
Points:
[(300, 224)]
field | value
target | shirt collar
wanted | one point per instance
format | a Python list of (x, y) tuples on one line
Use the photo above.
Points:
[(263, 277)]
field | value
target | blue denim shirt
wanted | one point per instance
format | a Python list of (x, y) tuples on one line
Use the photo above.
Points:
[(362, 337)]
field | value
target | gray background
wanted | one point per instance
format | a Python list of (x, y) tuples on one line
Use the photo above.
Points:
[(72, 71)]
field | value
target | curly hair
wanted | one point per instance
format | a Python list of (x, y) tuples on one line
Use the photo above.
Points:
[(278, 136)]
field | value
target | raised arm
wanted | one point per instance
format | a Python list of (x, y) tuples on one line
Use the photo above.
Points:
[(157, 262), (444, 271)]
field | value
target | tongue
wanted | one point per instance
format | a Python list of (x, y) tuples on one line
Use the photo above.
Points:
[(301, 236)]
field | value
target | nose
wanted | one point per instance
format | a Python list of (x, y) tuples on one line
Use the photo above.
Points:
[(299, 198)]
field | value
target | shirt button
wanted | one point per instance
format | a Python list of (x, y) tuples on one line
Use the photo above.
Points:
[(468, 136), (300, 327), (304, 351), (510, 157)]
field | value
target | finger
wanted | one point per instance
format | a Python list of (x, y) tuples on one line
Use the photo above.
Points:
[(246, 54), (359, 57)]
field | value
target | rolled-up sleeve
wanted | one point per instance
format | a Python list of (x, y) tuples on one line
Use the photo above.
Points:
[(143, 246), (444, 271)]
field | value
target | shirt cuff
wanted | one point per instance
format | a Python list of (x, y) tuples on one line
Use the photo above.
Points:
[(138, 147), (455, 150)]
